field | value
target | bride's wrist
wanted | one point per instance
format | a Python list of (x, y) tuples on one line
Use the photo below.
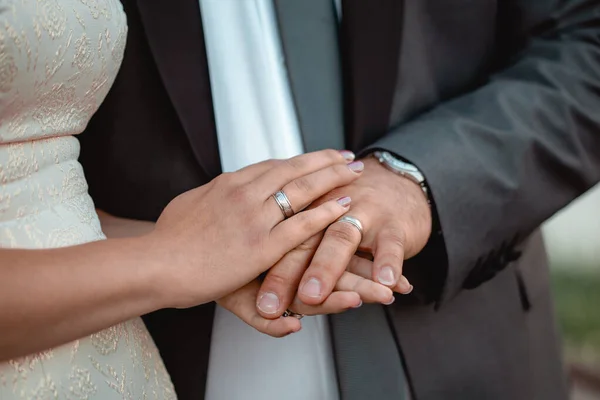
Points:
[(146, 271), (167, 279), (142, 252)]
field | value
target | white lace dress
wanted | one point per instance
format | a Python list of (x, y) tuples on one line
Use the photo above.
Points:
[(58, 60)]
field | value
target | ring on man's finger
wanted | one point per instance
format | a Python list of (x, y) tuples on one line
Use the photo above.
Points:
[(352, 221)]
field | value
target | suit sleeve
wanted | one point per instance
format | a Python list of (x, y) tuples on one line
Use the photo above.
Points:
[(502, 159)]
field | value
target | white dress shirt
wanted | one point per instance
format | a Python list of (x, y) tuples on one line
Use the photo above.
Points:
[(256, 120)]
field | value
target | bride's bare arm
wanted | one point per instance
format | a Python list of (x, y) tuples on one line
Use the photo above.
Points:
[(116, 227), (50, 297)]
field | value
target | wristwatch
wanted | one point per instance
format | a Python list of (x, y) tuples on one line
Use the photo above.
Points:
[(404, 169)]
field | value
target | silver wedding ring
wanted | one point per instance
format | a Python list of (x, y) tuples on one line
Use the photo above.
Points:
[(290, 313), (352, 221), (284, 204)]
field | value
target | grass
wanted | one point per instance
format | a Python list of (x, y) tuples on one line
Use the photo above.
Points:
[(577, 297)]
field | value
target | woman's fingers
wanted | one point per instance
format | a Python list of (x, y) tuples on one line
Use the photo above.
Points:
[(288, 170), (242, 304), (294, 231), (305, 189)]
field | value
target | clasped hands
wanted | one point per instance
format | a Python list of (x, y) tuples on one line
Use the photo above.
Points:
[(213, 242), (324, 275)]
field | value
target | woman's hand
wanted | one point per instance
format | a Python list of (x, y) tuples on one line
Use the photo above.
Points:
[(351, 290), (209, 242), (217, 238)]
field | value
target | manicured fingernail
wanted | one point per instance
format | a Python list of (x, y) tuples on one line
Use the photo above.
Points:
[(312, 288), (406, 284), (358, 305), (390, 302), (344, 201), (348, 155), (386, 276), (357, 166), (268, 303)]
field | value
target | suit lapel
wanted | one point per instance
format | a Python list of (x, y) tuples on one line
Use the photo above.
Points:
[(308, 31), (370, 37), (175, 36)]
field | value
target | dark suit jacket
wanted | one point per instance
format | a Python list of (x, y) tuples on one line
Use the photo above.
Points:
[(495, 101)]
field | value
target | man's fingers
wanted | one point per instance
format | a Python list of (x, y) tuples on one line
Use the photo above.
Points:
[(364, 268), (389, 257), (294, 231), (281, 282), (336, 303), (329, 262), (242, 304), (369, 291)]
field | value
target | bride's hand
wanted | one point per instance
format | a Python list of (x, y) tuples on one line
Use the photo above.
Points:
[(217, 238)]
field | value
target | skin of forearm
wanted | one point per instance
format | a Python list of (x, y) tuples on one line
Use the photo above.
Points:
[(51, 297), (116, 227)]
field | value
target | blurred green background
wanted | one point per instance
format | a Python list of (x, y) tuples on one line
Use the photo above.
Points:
[(577, 296), (573, 242)]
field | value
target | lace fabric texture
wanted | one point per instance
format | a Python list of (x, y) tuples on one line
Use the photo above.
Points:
[(58, 59)]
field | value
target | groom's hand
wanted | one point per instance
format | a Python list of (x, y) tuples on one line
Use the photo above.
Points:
[(396, 221), (350, 291), (243, 304)]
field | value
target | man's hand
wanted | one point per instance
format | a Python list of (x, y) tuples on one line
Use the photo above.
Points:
[(396, 220), (243, 303), (350, 291)]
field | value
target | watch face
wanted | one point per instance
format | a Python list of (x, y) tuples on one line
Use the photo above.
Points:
[(405, 166), (388, 158), (401, 166)]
